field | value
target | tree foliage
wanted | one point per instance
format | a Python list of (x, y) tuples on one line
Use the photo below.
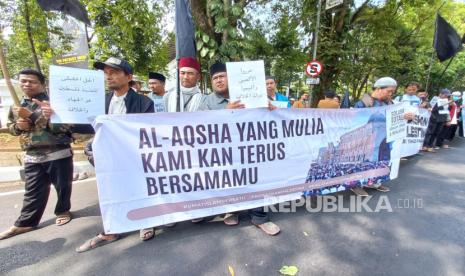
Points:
[(129, 29)]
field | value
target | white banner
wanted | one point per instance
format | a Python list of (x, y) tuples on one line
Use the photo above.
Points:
[(395, 122), (154, 169), (415, 133)]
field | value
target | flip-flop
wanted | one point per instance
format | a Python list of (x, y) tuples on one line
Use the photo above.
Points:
[(231, 219), (63, 219), (147, 234), (95, 242), (269, 228), (14, 230), (197, 220)]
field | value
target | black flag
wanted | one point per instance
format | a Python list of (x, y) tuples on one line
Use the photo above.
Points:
[(185, 34), (73, 8), (446, 40)]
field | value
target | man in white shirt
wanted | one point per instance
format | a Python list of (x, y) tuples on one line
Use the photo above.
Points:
[(120, 100), (189, 75), (410, 95)]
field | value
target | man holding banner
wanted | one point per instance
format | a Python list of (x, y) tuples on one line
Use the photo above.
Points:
[(383, 89), (191, 96), (121, 100), (220, 100)]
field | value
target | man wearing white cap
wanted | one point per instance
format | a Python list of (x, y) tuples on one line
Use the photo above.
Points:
[(383, 89)]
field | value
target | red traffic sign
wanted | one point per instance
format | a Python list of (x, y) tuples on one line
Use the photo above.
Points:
[(314, 68)]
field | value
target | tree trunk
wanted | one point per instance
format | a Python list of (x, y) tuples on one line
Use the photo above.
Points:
[(29, 35), (5, 73)]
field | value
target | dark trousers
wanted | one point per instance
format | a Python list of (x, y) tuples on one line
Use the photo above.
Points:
[(460, 128), (434, 128), (452, 132), (444, 134), (258, 216), (38, 178)]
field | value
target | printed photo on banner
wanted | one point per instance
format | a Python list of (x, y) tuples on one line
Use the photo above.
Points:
[(247, 83), (77, 96)]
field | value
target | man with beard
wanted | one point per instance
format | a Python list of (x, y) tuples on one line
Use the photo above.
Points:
[(220, 100)]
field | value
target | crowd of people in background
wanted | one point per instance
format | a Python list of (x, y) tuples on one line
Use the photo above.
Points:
[(49, 156)]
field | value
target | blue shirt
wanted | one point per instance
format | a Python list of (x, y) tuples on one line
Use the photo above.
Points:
[(376, 103), (280, 98)]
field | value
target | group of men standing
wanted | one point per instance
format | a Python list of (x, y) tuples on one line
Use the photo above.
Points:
[(49, 155)]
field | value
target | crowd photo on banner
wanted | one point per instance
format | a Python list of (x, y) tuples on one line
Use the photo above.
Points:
[(200, 146)]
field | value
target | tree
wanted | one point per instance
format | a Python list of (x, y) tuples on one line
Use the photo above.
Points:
[(220, 28), (129, 29), (36, 37)]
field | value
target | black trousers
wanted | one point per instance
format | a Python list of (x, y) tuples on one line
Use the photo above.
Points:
[(38, 178), (443, 135), (452, 132), (258, 215), (434, 129)]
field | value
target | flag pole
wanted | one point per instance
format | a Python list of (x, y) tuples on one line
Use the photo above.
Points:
[(452, 59), (179, 104), (429, 70)]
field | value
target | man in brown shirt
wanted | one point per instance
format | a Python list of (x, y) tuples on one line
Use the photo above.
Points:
[(302, 102), (328, 101)]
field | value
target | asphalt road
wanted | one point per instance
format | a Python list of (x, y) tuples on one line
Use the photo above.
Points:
[(427, 238)]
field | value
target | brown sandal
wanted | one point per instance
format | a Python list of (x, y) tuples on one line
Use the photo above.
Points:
[(231, 219), (269, 228), (15, 230), (95, 242), (63, 219), (147, 234)]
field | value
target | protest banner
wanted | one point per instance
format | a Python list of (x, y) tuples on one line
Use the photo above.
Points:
[(462, 114), (395, 122), (77, 96), (246, 81), (154, 169), (415, 133)]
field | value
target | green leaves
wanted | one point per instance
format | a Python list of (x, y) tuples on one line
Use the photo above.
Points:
[(204, 52), (205, 38), (130, 29)]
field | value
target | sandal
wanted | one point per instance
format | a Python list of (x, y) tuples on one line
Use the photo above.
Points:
[(231, 219), (269, 228), (63, 219), (95, 242), (147, 234), (13, 231)]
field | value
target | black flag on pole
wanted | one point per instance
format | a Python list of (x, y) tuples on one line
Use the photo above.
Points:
[(185, 33), (73, 8), (446, 40)]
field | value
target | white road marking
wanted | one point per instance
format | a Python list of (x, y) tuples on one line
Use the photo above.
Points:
[(22, 191)]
